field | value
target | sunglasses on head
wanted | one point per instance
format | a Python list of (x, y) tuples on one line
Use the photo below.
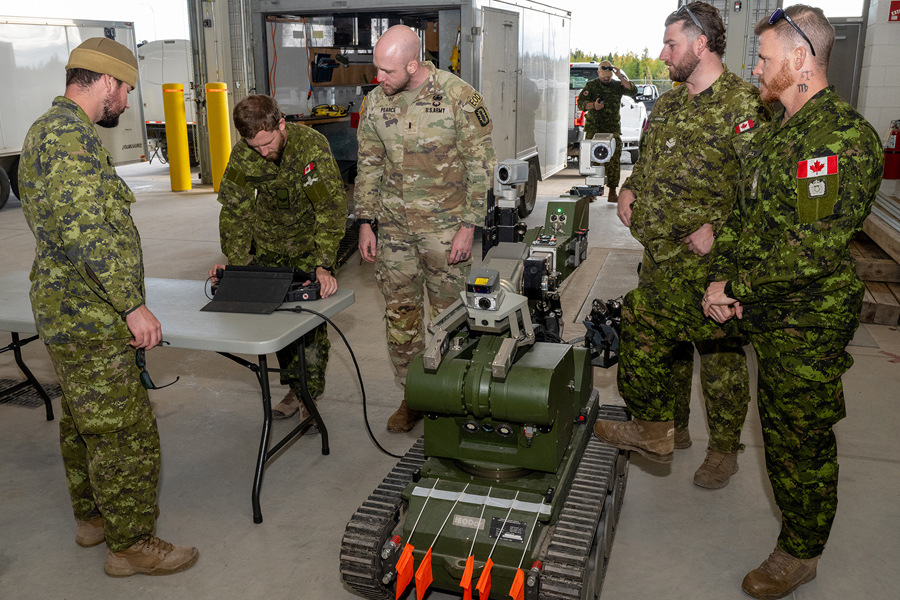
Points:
[(685, 9), (605, 68), (140, 359), (780, 14)]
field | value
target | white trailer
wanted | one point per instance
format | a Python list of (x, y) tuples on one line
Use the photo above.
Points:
[(33, 56), (515, 52), (167, 61)]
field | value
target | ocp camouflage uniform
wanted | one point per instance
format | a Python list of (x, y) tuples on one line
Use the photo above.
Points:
[(88, 274), (424, 169), (290, 213), (688, 175), (785, 251), (607, 119)]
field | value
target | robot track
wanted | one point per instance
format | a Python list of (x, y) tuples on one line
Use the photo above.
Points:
[(579, 547)]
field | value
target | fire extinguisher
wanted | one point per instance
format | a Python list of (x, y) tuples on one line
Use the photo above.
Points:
[(892, 152)]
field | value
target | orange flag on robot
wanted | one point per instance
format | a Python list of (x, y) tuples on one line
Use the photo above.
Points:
[(404, 569), (484, 582), (517, 590), (423, 576), (466, 582)]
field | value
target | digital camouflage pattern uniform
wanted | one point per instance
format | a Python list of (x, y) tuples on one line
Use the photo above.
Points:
[(607, 119), (424, 169), (88, 273), (289, 213), (785, 251), (688, 175)]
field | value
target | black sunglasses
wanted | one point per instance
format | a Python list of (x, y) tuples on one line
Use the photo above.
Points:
[(780, 14), (685, 9), (605, 68), (140, 360)]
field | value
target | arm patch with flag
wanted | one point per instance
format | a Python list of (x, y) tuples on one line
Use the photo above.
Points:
[(817, 188), (745, 126)]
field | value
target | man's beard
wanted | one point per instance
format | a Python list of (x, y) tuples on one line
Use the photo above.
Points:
[(110, 117), (770, 91), (275, 155), (401, 87), (685, 67)]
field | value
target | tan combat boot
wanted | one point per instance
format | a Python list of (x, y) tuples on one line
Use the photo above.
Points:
[(779, 575), (403, 419), (89, 533), (152, 556), (682, 438), (655, 440), (288, 406), (716, 470)]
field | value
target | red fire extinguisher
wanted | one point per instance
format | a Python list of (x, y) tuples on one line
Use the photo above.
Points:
[(892, 152)]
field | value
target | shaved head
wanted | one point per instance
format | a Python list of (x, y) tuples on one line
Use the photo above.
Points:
[(396, 57)]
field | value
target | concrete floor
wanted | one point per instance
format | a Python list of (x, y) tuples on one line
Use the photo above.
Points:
[(674, 540)]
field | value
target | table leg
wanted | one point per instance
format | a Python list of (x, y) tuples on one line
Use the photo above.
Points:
[(307, 400), (263, 375), (16, 347)]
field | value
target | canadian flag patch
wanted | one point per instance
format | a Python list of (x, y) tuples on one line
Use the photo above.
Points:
[(309, 169), (816, 167), (745, 126)]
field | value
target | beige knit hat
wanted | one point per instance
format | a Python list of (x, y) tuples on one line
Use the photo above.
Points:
[(105, 56)]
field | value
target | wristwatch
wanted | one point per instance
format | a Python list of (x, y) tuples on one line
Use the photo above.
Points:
[(365, 221), (728, 289)]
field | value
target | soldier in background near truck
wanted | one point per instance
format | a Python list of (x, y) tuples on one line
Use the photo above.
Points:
[(601, 98)]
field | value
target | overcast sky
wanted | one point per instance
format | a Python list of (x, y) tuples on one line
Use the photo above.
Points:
[(598, 26)]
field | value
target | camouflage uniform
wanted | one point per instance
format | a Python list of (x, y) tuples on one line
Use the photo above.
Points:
[(607, 119), (424, 170), (289, 213), (785, 253), (688, 175), (88, 274)]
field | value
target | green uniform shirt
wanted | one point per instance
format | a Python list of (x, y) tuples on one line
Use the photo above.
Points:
[(295, 209), (428, 164), (811, 183), (607, 119), (88, 269), (689, 170)]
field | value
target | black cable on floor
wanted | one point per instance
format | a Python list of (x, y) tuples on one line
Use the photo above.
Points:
[(300, 309)]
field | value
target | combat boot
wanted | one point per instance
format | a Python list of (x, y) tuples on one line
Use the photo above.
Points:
[(403, 419), (151, 556), (655, 440), (612, 196), (779, 575), (89, 533), (682, 438), (288, 406), (716, 470)]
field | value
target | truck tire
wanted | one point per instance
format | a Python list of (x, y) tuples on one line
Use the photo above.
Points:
[(4, 188), (527, 204)]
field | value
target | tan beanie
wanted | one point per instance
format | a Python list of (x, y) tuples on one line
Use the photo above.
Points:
[(105, 56)]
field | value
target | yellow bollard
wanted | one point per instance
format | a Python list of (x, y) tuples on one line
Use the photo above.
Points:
[(176, 137), (219, 130)]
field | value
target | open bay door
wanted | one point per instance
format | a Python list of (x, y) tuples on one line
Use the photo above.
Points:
[(499, 76)]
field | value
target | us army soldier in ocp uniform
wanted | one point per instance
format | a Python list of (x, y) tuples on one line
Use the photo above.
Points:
[(425, 167), (284, 205), (88, 298), (782, 266), (684, 186), (602, 98)]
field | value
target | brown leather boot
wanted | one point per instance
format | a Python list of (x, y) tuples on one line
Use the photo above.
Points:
[(89, 533), (655, 440), (152, 556), (403, 419), (779, 575), (716, 470), (612, 196), (288, 406), (682, 438)]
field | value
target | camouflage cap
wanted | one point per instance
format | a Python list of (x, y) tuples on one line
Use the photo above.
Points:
[(106, 56)]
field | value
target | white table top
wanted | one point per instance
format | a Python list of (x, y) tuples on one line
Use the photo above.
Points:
[(177, 303)]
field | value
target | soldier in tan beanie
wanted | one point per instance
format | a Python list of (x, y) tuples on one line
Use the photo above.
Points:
[(88, 298)]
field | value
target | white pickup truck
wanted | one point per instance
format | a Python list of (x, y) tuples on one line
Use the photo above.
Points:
[(632, 113)]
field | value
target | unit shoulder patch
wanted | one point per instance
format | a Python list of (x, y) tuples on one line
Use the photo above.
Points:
[(481, 114), (475, 99), (818, 180)]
